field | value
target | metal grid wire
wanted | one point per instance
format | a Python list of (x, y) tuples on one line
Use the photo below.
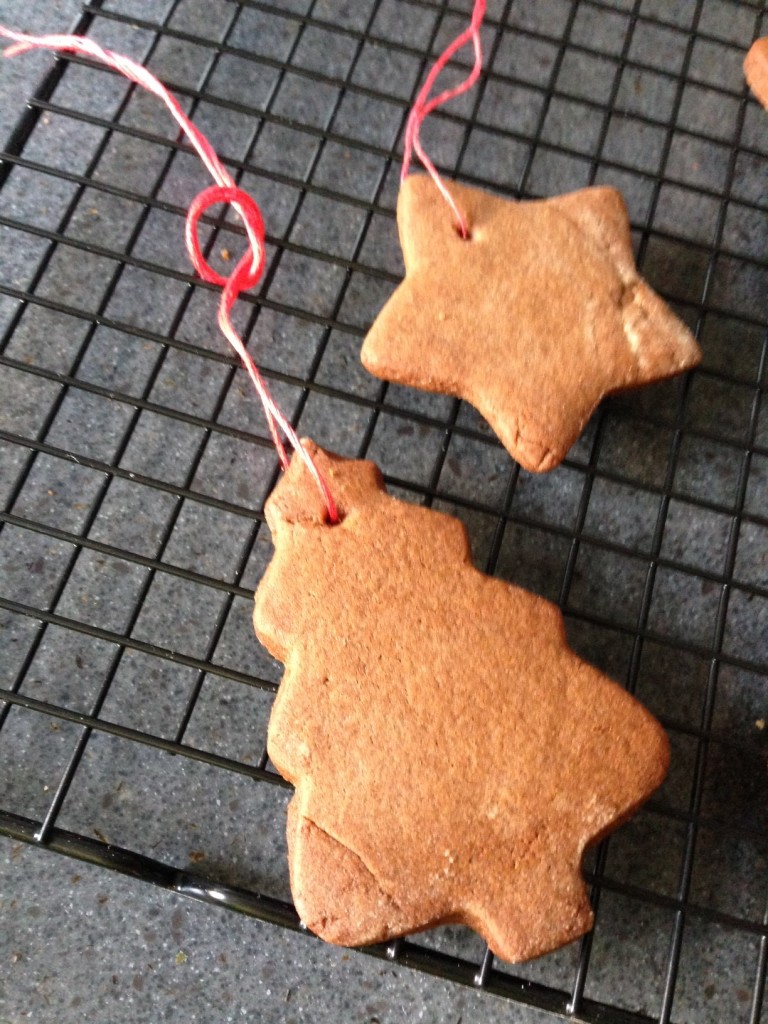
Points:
[(135, 461)]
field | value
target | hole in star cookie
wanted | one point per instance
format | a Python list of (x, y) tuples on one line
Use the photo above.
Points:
[(340, 517)]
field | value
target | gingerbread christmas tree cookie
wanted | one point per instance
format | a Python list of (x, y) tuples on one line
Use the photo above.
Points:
[(452, 757), (533, 318)]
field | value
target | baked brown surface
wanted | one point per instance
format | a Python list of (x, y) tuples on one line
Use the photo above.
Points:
[(533, 320), (452, 757), (756, 69)]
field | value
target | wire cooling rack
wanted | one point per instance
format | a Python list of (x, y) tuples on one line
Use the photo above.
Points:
[(135, 461)]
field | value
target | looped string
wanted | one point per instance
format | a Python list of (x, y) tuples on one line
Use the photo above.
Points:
[(250, 267), (424, 106)]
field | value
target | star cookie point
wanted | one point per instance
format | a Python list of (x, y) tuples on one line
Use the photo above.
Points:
[(756, 69)]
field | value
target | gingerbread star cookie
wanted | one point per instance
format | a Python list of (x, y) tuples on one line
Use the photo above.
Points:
[(452, 757), (756, 69), (533, 319)]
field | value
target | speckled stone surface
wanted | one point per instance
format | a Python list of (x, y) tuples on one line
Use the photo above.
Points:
[(80, 944), (169, 468), (18, 78)]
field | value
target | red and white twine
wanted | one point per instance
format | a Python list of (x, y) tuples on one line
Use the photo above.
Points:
[(424, 106), (249, 269)]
